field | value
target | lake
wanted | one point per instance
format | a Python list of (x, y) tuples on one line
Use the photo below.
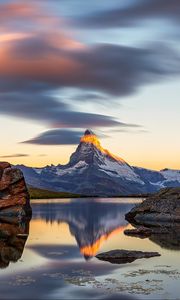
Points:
[(56, 260)]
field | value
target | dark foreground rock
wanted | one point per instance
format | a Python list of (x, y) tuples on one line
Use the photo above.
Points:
[(163, 208), (14, 197), (125, 256)]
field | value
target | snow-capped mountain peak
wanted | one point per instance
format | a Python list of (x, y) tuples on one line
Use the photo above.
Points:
[(89, 143), (93, 170), (95, 156)]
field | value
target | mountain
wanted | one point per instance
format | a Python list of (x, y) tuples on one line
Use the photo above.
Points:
[(93, 170)]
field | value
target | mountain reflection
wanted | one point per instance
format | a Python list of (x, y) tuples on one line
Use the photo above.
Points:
[(90, 222), (13, 236)]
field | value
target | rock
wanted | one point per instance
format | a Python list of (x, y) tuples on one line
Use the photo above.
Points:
[(14, 197), (142, 232), (12, 241), (125, 256), (163, 208)]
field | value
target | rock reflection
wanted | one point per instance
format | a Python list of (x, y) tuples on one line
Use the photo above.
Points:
[(167, 237), (13, 237), (169, 240)]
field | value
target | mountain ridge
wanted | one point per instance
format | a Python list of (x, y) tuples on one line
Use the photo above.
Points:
[(94, 171)]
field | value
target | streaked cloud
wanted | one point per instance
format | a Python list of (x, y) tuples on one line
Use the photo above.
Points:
[(133, 14), (48, 111), (41, 57), (57, 137), (107, 68), (69, 136), (14, 155)]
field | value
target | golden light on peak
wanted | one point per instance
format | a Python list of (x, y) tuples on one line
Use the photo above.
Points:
[(92, 139)]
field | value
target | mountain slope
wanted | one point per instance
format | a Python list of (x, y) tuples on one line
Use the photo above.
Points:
[(93, 170)]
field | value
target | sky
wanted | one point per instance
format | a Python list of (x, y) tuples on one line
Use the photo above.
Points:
[(110, 66)]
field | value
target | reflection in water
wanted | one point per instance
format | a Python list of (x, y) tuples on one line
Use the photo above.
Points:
[(165, 235), (53, 268), (169, 240), (90, 222), (13, 237)]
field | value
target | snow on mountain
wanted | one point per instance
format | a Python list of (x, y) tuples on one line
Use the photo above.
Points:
[(79, 167), (93, 170), (92, 153), (171, 175), (114, 168)]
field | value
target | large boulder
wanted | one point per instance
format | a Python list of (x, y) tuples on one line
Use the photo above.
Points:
[(14, 196), (163, 208)]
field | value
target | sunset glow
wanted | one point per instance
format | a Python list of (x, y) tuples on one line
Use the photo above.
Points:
[(92, 139), (68, 69), (91, 250)]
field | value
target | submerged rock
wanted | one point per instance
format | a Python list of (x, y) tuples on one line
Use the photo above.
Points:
[(144, 232), (163, 208), (125, 256), (14, 197)]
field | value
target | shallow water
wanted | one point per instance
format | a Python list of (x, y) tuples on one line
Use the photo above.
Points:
[(58, 260)]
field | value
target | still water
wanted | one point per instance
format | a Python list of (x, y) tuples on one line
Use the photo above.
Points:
[(53, 255)]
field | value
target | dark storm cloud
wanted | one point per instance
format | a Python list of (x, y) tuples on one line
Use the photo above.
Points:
[(14, 155), (134, 13)]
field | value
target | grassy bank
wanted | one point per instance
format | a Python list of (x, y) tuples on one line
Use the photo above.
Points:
[(36, 193)]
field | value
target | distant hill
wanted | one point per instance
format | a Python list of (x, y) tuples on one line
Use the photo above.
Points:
[(36, 193)]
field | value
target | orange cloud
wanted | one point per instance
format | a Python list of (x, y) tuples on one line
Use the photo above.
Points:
[(17, 10), (11, 36)]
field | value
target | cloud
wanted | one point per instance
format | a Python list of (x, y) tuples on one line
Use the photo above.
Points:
[(14, 155), (133, 14), (38, 67), (57, 137), (48, 111), (30, 13), (107, 68), (63, 136)]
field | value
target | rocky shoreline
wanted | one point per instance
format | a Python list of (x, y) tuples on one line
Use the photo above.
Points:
[(161, 209), (156, 218)]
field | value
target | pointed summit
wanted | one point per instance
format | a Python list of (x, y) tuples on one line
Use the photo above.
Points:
[(91, 152), (88, 132), (89, 137)]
